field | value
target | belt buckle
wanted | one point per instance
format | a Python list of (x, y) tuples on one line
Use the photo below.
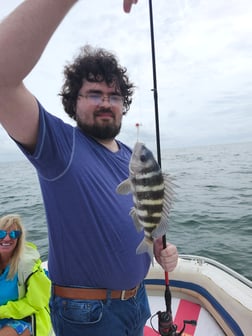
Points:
[(123, 295)]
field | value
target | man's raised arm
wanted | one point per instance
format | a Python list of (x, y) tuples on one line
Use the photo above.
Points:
[(23, 36)]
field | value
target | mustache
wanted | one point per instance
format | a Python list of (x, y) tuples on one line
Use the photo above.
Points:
[(104, 110)]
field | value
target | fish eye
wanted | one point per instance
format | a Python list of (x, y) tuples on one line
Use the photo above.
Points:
[(143, 158)]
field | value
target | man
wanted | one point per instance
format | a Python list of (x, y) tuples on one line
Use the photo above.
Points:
[(96, 274)]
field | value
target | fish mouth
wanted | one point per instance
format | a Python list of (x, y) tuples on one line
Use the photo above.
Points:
[(138, 146)]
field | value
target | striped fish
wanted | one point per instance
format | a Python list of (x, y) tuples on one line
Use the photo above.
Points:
[(152, 196)]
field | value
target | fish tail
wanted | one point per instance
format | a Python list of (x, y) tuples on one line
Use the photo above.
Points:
[(146, 246)]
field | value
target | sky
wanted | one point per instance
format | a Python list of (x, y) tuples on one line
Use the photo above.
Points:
[(203, 52)]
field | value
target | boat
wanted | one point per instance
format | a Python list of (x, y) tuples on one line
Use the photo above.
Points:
[(208, 298)]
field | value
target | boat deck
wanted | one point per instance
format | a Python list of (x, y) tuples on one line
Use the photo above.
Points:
[(183, 310), (218, 298)]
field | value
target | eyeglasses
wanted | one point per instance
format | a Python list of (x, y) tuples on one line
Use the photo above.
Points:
[(15, 234), (98, 98)]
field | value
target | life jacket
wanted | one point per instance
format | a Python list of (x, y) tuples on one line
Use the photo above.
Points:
[(27, 266), (32, 277)]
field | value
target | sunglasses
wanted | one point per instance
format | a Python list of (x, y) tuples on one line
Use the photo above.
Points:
[(15, 234)]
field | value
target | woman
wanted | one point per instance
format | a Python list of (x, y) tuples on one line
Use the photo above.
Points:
[(24, 286)]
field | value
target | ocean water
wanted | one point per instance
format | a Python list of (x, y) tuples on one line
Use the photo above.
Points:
[(211, 216)]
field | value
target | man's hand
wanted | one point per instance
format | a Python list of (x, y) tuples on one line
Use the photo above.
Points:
[(168, 257), (127, 5)]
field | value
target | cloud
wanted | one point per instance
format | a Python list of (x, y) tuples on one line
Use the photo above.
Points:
[(203, 62)]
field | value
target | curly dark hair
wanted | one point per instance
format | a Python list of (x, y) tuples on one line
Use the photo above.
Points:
[(94, 65)]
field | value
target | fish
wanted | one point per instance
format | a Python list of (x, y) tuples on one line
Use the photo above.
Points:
[(153, 196)]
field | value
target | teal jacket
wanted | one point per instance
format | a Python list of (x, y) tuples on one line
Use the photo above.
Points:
[(34, 289)]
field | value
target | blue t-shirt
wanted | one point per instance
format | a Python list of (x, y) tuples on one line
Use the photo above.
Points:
[(92, 238), (8, 287)]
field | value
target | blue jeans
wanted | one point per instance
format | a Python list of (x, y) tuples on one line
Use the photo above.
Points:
[(111, 317)]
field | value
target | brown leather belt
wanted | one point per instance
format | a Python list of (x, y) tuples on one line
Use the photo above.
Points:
[(76, 293)]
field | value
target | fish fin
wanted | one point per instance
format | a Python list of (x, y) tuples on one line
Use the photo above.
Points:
[(138, 225), (169, 183), (163, 226), (146, 246), (124, 187), (161, 229)]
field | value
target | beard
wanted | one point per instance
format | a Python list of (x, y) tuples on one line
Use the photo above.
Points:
[(103, 132), (106, 132)]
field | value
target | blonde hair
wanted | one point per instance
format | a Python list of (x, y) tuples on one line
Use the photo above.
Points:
[(5, 223)]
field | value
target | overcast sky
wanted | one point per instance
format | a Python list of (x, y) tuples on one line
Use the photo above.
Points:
[(203, 61)]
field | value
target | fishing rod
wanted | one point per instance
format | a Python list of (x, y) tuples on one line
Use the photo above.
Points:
[(166, 327), (155, 95), (155, 92)]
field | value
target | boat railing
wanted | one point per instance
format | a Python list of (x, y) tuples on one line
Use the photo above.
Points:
[(202, 260)]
